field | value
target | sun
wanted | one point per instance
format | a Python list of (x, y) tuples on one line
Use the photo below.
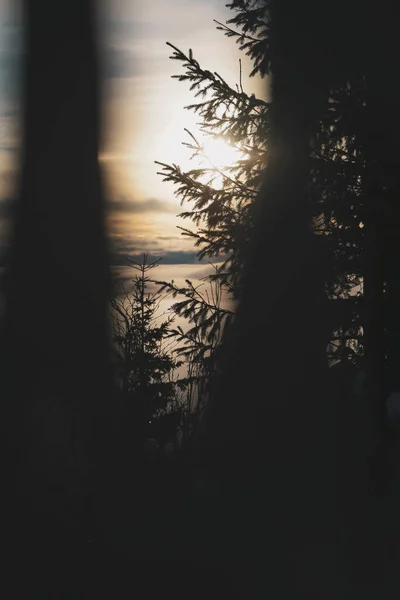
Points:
[(201, 151), (221, 154)]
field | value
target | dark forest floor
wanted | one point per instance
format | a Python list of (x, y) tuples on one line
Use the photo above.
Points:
[(204, 541)]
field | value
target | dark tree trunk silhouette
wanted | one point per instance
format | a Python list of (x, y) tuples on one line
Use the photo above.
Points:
[(276, 418), (267, 422), (56, 374), (382, 281)]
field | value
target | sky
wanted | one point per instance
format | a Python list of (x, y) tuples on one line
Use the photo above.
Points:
[(143, 116)]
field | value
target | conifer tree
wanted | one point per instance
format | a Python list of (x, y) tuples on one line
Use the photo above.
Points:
[(145, 368), (221, 197), (313, 236)]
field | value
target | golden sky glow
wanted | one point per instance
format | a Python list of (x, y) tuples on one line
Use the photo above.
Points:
[(144, 107)]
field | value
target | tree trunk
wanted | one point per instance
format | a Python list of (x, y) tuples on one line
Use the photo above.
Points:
[(382, 351), (58, 376), (273, 418)]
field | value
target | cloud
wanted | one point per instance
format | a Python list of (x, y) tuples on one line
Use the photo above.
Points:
[(122, 247), (179, 258), (121, 258), (132, 206), (120, 63), (10, 60)]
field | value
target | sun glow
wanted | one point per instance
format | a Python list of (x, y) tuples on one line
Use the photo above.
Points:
[(221, 154)]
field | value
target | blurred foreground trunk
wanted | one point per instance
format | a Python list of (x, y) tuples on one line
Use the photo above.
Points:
[(56, 375), (277, 425)]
